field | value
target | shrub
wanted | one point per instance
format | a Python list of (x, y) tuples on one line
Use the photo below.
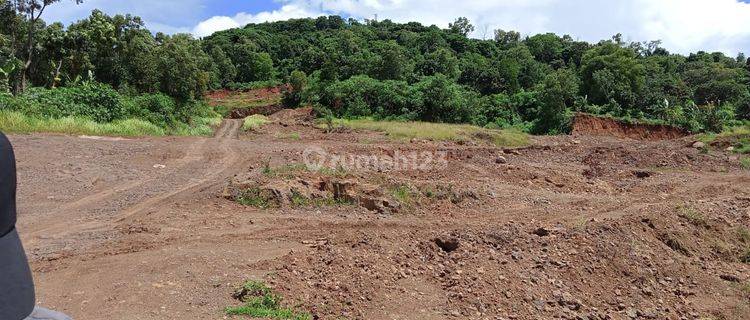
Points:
[(254, 122), (743, 108), (92, 100), (156, 108), (292, 95)]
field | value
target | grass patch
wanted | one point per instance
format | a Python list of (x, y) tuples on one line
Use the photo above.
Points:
[(439, 131), (255, 197), (745, 257), (739, 137), (338, 172), (254, 122), (261, 302), (291, 170), (743, 234), (289, 136), (402, 193), (16, 122), (298, 200), (694, 216), (287, 170), (200, 126), (745, 163)]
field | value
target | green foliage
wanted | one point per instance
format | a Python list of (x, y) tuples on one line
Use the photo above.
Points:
[(745, 163), (379, 69), (546, 47), (261, 302), (611, 73), (255, 66), (402, 194), (156, 108), (557, 96), (181, 60), (255, 197), (16, 122), (743, 108), (245, 86), (96, 109), (292, 95), (254, 122), (461, 26), (95, 101)]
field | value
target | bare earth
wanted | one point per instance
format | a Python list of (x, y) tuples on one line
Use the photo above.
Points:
[(569, 228)]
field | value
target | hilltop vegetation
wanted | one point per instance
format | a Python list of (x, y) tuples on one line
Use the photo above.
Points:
[(377, 69), (410, 71)]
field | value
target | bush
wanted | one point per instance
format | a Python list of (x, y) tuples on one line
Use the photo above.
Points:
[(244, 86), (292, 95), (14, 121), (743, 108), (497, 111), (365, 96), (92, 100), (156, 108)]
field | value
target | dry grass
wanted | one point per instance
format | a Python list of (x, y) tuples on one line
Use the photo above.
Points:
[(254, 122), (439, 131)]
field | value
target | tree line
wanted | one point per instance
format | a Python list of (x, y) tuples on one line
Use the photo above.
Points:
[(384, 69)]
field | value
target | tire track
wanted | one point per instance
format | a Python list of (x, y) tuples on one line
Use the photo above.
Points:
[(61, 223)]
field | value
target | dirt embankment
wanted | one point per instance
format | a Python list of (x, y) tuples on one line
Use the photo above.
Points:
[(593, 125), (241, 113)]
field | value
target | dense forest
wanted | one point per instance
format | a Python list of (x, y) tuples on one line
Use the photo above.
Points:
[(111, 67)]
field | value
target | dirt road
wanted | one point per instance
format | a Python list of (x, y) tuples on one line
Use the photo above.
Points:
[(583, 227)]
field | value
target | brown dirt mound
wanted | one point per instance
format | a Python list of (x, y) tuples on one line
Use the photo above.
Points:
[(268, 110), (592, 125), (256, 93), (294, 116)]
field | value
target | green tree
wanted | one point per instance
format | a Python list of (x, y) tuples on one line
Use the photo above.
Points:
[(32, 10), (292, 95), (441, 61), (610, 72), (180, 64), (557, 96), (225, 71), (392, 62), (461, 26), (546, 47)]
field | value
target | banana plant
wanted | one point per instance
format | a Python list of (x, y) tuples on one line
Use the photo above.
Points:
[(5, 71)]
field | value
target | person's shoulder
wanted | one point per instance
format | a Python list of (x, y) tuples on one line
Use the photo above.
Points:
[(44, 314)]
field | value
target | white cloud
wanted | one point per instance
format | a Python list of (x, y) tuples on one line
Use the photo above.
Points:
[(213, 24), (683, 25), (218, 23)]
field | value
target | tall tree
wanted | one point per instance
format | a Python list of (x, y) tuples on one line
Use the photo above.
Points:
[(462, 26), (32, 10)]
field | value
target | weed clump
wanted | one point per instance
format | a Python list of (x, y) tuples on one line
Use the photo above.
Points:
[(261, 302), (254, 122)]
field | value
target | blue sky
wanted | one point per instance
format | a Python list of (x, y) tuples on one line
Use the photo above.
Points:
[(683, 25)]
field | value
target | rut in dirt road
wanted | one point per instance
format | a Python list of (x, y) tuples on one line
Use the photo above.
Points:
[(101, 212)]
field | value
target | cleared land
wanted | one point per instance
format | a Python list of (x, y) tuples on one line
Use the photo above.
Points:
[(461, 222), (566, 227)]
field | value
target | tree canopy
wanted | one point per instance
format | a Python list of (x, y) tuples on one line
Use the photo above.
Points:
[(386, 69)]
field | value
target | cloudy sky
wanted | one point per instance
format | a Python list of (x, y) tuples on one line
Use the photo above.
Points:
[(683, 25)]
